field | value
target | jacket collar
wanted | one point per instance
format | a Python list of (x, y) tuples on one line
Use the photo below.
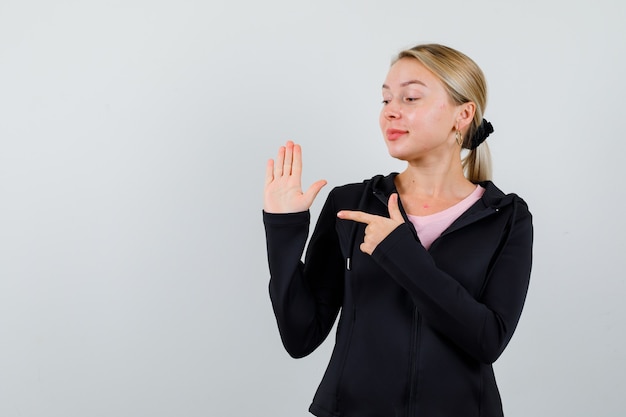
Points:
[(493, 197)]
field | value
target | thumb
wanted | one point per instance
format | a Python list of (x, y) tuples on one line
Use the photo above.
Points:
[(314, 189), (394, 210)]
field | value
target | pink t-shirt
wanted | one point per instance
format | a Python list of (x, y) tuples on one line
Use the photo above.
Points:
[(432, 226)]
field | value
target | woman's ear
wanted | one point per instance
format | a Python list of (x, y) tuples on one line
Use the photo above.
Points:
[(466, 115)]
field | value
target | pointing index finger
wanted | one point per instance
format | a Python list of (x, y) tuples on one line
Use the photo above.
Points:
[(357, 216)]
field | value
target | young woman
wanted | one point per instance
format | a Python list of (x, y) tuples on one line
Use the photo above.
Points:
[(429, 267)]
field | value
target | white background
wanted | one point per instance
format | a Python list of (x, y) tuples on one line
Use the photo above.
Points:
[(133, 141)]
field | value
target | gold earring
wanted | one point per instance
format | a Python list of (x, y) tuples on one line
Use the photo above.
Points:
[(459, 137)]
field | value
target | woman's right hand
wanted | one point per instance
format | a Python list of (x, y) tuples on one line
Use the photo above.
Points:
[(283, 183)]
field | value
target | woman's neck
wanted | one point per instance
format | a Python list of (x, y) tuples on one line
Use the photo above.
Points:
[(426, 190)]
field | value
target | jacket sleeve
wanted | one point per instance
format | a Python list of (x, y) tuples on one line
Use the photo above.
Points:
[(306, 296), (481, 327)]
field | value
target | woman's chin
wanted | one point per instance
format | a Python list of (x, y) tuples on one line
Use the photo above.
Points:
[(396, 153)]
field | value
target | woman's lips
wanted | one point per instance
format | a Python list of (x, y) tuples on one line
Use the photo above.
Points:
[(393, 134)]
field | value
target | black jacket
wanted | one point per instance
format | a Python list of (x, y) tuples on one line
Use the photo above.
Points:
[(418, 329)]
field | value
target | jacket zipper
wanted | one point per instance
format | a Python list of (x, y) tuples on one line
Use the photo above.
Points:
[(413, 361), (414, 348)]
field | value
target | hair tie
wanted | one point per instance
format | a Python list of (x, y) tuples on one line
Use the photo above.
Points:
[(484, 130)]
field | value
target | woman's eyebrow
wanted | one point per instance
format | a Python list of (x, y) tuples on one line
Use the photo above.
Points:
[(404, 84)]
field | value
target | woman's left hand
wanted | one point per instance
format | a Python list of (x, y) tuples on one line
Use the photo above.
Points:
[(378, 227)]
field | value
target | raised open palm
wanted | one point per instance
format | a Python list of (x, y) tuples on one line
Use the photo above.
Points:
[(283, 183)]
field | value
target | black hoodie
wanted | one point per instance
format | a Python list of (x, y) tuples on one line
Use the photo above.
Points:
[(419, 329)]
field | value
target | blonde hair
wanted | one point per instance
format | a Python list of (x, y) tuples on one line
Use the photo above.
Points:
[(465, 82)]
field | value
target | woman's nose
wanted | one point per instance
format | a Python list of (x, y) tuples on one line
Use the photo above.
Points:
[(391, 111)]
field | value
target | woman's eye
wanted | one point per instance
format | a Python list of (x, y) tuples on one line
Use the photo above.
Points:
[(411, 99), (385, 102)]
